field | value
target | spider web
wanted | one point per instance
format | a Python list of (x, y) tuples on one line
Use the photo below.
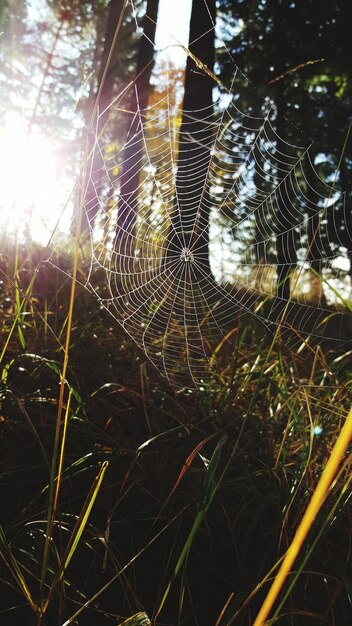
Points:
[(257, 189)]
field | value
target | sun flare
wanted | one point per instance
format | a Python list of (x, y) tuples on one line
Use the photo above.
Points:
[(31, 196)]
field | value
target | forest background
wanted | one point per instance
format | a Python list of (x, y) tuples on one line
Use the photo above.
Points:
[(125, 493)]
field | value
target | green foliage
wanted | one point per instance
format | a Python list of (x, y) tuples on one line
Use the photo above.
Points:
[(123, 495), (297, 54), (202, 492)]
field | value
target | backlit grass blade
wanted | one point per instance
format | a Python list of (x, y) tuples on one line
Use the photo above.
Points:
[(208, 492), (12, 563), (83, 518), (327, 522), (269, 575), (62, 450), (139, 619), (121, 571), (53, 498), (19, 313), (309, 516), (188, 462), (78, 530)]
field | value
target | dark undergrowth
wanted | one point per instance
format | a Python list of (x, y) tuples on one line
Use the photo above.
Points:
[(173, 502)]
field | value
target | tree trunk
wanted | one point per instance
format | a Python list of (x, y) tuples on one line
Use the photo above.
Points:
[(346, 164), (346, 234), (129, 181), (260, 245), (286, 255), (103, 97), (314, 244), (189, 229)]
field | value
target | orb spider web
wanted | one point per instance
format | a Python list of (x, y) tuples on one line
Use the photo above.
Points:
[(179, 302)]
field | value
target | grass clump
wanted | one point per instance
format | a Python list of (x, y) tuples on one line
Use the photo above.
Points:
[(147, 504)]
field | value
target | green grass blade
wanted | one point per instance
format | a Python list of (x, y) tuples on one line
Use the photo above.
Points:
[(139, 619), (5, 372), (208, 492), (19, 316), (78, 530), (12, 563), (83, 518), (52, 501)]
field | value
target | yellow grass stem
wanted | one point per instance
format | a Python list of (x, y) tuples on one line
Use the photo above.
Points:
[(53, 497), (62, 450), (309, 516)]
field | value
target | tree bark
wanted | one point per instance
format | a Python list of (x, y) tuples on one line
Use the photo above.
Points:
[(315, 249), (346, 234), (103, 97), (260, 245), (286, 255), (190, 215), (347, 159), (129, 181)]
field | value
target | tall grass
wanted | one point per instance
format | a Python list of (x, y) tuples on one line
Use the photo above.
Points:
[(125, 499)]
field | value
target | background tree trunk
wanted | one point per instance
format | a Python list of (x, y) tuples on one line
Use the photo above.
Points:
[(190, 215), (346, 165), (260, 245), (315, 248), (104, 94), (285, 240), (129, 181)]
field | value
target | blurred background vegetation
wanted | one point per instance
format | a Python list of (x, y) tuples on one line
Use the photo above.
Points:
[(120, 492)]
